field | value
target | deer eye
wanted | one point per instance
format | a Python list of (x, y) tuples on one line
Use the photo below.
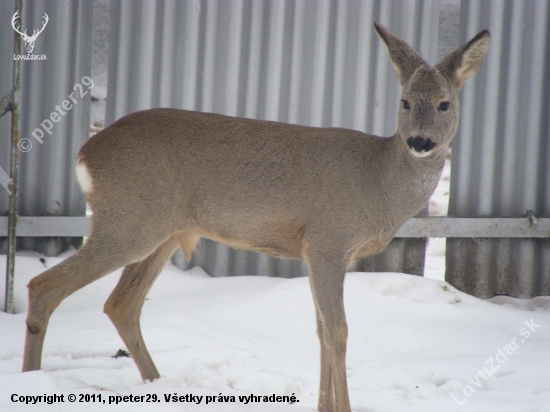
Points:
[(406, 105), (444, 106)]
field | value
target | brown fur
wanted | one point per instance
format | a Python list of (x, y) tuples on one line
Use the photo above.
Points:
[(164, 178)]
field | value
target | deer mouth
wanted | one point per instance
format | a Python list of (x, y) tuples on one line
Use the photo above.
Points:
[(420, 146)]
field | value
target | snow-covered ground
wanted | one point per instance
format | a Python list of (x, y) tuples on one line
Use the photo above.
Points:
[(415, 344)]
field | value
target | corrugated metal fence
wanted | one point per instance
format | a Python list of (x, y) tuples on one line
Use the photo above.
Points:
[(309, 62), (501, 154), (47, 185)]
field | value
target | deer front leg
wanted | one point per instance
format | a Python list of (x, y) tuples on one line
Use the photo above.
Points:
[(327, 285), (326, 392)]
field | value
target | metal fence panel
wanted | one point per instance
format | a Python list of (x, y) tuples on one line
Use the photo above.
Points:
[(309, 62), (501, 154), (47, 181)]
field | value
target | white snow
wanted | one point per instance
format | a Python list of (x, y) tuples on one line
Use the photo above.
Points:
[(414, 343), (434, 267)]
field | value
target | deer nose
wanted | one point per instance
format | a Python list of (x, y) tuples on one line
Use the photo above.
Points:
[(420, 144)]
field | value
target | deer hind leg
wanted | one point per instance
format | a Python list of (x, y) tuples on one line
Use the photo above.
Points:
[(98, 257), (327, 285), (125, 302)]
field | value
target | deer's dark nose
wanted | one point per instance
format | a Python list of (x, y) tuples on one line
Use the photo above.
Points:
[(420, 145)]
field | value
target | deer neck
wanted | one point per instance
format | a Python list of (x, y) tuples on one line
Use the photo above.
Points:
[(410, 180)]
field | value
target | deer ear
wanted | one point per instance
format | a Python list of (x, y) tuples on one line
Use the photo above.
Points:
[(465, 61), (404, 59)]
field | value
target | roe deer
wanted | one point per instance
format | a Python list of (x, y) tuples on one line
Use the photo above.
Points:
[(161, 179)]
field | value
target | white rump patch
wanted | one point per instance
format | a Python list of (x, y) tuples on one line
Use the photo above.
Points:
[(84, 178)]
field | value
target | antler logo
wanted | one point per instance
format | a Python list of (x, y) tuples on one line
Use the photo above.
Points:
[(29, 40)]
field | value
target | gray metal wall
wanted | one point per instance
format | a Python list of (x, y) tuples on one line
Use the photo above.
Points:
[(47, 183), (501, 154), (309, 62)]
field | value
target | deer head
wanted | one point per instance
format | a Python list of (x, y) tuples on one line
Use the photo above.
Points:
[(29, 40)]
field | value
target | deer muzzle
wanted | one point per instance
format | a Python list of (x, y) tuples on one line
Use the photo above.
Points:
[(420, 146)]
